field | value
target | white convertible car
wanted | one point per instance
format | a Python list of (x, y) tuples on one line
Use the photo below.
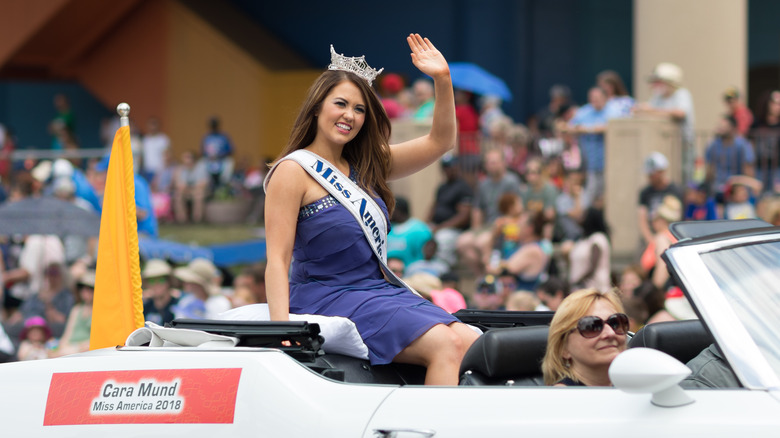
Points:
[(730, 271)]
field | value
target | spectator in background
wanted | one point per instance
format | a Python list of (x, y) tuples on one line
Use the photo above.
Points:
[(390, 85), (76, 247), (590, 124), (191, 183), (651, 196), (728, 154), (451, 209), (631, 278), (202, 297), (700, 206), (539, 195), (63, 125), (396, 266), (252, 278), (53, 302), (473, 244), (737, 109), (569, 207), (619, 103), (144, 208), (160, 297), (468, 128), (217, 151), (522, 301), (429, 264), (670, 99), (7, 147), (83, 188), (38, 253), (155, 147), (75, 339), (740, 197), (542, 124), (448, 297), (34, 339), (489, 111), (506, 232), (529, 263), (423, 94), (589, 257), (253, 182), (407, 234), (665, 214), (765, 135), (552, 292)]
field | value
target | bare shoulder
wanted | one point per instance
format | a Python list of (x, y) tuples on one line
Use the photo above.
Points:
[(287, 176), (290, 182)]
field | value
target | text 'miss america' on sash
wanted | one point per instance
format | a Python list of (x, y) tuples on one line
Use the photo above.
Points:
[(359, 202)]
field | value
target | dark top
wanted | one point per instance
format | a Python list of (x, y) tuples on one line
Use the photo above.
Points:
[(652, 198), (569, 382), (159, 316), (449, 195)]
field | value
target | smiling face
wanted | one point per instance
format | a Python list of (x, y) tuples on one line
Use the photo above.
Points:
[(341, 114), (588, 354)]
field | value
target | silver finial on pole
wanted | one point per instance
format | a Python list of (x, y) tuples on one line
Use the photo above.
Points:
[(123, 110)]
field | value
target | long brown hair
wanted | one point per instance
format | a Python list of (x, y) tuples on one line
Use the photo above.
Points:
[(611, 77), (368, 152)]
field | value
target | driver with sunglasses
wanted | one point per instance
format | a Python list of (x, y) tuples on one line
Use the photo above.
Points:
[(586, 334)]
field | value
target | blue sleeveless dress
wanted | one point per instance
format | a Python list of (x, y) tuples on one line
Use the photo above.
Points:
[(335, 273)]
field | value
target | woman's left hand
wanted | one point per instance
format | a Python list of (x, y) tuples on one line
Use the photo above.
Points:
[(427, 58)]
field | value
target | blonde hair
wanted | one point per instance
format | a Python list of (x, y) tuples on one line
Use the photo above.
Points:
[(572, 308), (522, 300)]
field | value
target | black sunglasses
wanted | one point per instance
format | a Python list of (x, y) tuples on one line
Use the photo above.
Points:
[(591, 326)]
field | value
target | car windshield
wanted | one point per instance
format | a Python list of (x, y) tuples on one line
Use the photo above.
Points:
[(750, 279)]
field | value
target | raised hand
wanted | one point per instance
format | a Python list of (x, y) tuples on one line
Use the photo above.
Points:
[(427, 58)]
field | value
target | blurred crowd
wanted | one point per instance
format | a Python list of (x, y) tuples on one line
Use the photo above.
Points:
[(517, 223)]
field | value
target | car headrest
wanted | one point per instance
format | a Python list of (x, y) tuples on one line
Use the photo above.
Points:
[(682, 340), (507, 352)]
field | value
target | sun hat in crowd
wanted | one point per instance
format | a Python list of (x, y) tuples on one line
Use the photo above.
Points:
[(670, 209), (87, 279), (731, 93), (667, 72), (199, 271), (423, 282), (655, 162), (156, 268), (63, 186), (62, 168), (33, 322), (42, 171)]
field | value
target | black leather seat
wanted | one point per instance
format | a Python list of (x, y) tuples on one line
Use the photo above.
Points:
[(508, 356), (682, 340)]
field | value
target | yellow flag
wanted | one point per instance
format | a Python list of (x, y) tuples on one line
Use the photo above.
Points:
[(118, 308)]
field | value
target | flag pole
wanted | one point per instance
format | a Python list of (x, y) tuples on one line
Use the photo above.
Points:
[(123, 110), (117, 308)]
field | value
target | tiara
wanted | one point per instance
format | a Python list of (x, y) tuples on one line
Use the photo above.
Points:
[(354, 64)]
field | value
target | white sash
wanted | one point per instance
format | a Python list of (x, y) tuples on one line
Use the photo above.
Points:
[(362, 206)]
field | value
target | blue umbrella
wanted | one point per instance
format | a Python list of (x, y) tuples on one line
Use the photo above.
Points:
[(471, 77)]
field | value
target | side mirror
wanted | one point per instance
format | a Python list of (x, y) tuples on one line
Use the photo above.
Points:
[(644, 370)]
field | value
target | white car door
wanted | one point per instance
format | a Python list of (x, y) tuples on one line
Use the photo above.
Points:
[(570, 412)]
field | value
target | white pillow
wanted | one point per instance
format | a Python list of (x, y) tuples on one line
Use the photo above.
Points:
[(340, 334)]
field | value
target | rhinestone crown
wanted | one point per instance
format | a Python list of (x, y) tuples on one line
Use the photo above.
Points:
[(355, 64)]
